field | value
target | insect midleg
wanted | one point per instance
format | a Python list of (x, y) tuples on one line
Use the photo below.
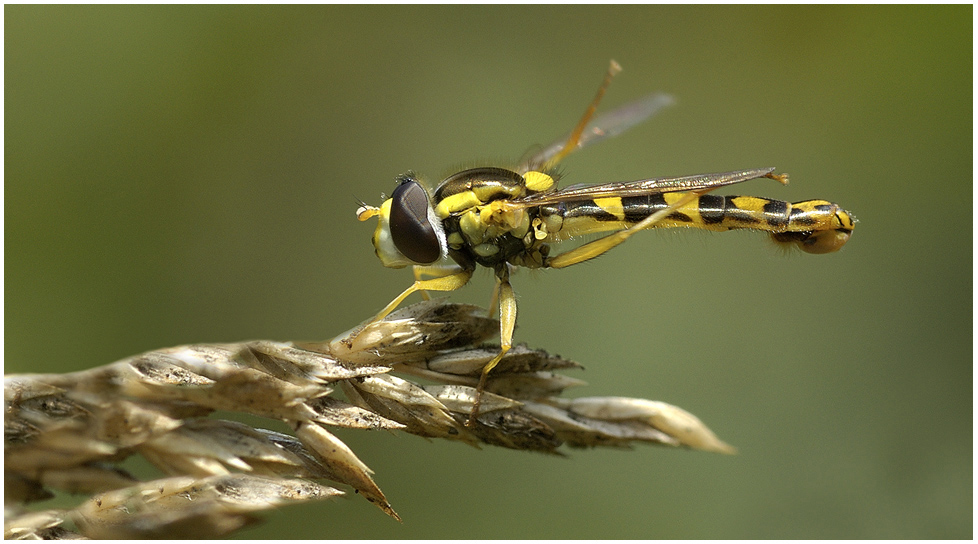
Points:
[(575, 136), (491, 308), (600, 246), (450, 282), (507, 324)]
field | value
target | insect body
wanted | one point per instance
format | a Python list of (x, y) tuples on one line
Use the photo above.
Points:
[(500, 218)]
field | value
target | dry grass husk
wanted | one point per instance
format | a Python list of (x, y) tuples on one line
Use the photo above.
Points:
[(70, 432)]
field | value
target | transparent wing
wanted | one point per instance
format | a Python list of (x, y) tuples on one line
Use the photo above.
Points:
[(648, 187), (604, 126)]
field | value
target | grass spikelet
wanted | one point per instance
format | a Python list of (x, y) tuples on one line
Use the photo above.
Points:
[(70, 432)]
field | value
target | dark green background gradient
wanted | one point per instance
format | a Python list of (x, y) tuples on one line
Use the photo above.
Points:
[(190, 174)]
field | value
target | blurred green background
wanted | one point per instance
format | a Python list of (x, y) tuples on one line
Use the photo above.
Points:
[(190, 174)]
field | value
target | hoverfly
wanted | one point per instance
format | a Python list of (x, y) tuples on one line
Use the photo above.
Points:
[(502, 219)]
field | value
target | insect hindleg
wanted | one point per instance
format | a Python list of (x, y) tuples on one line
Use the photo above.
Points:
[(575, 137), (600, 246)]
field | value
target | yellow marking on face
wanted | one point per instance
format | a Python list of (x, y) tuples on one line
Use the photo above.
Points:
[(384, 213)]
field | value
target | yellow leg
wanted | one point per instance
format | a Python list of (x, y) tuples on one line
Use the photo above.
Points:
[(434, 272), (418, 274), (600, 246), (507, 323), (444, 283), (491, 308), (575, 136)]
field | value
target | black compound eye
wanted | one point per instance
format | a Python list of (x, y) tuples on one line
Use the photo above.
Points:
[(412, 232)]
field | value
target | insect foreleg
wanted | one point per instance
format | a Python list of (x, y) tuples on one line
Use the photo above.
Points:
[(450, 282), (420, 271)]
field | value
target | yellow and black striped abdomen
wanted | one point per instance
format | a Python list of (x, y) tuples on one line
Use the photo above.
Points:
[(816, 226)]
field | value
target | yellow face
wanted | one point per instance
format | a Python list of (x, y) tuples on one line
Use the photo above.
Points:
[(408, 232)]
